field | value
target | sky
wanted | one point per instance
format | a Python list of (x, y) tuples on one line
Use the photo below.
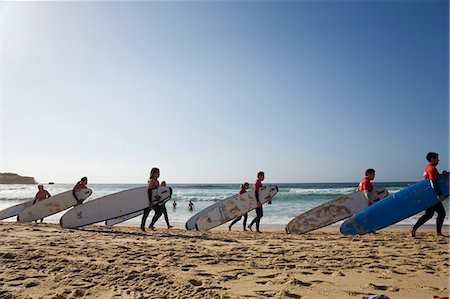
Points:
[(215, 91)]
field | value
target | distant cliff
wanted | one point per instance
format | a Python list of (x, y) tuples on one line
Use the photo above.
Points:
[(13, 178)]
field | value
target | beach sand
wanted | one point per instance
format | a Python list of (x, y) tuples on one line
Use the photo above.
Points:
[(47, 261)]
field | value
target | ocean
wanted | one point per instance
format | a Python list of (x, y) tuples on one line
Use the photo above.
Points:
[(291, 200)]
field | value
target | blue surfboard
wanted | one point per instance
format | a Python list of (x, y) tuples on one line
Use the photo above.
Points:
[(395, 207)]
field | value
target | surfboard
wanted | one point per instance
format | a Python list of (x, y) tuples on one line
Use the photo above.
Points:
[(117, 220), (113, 206), (231, 208), (190, 224), (52, 205), (396, 207), (15, 210), (332, 211)]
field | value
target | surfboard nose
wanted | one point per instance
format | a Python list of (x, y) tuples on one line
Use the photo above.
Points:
[(347, 228)]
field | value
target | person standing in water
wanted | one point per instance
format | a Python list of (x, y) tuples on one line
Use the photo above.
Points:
[(152, 184), (41, 195), (190, 206), (432, 173), (259, 209), (242, 190)]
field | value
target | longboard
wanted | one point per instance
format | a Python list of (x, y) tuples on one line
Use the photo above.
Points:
[(117, 220), (190, 224), (53, 205), (231, 208), (396, 207), (113, 206), (15, 210), (332, 212)]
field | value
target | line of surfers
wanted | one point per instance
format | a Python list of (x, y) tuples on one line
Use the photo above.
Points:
[(365, 186)]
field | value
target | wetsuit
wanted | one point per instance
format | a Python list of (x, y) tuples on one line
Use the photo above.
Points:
[(432, 174), (259, 210), (152, 184)]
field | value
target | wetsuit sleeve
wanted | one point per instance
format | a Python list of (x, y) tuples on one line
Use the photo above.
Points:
[(435, 186), (149, 193)]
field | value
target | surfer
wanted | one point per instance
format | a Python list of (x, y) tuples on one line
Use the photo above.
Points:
[(432, 173), (259, 209), (242, 190), (190, 206), (159, 210), (152, 184), (41, 195), (82, 184), (366, 186)]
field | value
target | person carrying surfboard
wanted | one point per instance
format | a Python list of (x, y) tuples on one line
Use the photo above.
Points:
[(152, 184), (160, 209), (41, 195), (82, 184), (432, 173), (259, 209), (367, 188), (242, 190)]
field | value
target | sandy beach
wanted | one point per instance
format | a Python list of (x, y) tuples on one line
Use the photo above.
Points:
[(47, 261)]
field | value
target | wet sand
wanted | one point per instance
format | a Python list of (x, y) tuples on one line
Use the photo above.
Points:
[(47, 261)]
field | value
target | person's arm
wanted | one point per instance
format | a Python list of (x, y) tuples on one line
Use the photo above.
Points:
[(434, 176), (367, 196), (150, 202), (435, 186)]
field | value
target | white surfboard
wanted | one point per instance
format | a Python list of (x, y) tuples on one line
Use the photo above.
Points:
[(15, 210), (190, 224), (332, 211), (117, 220), (113, 206), (232, 208), (53, 205)]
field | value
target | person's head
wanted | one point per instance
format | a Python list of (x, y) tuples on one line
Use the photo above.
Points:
[(260, 176), (433, 158), (84, 180), (154, 173), (245, 186), (163, 183), (40, 187), (370, 173)]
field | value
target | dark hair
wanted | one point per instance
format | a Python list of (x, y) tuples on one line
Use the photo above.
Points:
[(370, 171), (260, 173), (243, 185), (431, 155), (153, 171)]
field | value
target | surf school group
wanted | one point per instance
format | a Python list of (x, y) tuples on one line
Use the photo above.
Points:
[(366, 210)]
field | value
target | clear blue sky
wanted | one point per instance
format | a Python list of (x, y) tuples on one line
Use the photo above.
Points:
[(216, 91)]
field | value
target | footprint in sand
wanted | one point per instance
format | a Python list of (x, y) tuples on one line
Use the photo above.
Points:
[(297, 282), (383, 288), (285, 294)]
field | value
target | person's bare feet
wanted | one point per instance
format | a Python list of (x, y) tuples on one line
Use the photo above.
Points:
[(413, 233), (440, 235), (250, 227)]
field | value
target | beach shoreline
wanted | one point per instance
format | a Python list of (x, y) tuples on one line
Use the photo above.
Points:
[(47, 261)]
